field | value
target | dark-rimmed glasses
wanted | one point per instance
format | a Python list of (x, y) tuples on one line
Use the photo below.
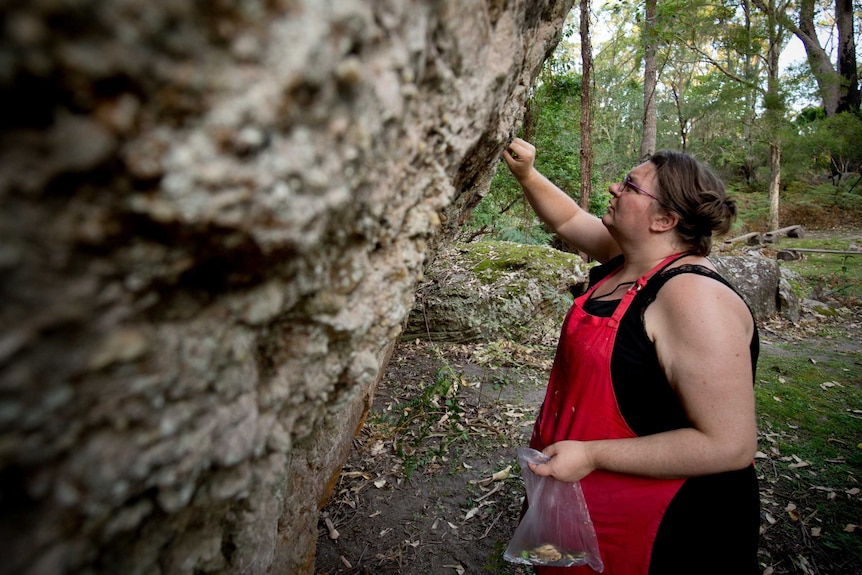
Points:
[(627, 182)]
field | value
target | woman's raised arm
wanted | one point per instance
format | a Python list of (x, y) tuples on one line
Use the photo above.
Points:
[(560, 212)]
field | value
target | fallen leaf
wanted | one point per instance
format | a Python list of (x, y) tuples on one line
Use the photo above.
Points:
[(760, 455), (815, 531), (850, 528), (333, 532), (770, 519), (351, 474), (379, 483), (471, 513), (854, 491), (821, 488), (499, 476), (504, 474)]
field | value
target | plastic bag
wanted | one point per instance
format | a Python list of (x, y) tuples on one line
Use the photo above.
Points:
[(556, 531)]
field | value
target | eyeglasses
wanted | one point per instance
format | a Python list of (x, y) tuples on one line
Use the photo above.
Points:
[(627, 182)]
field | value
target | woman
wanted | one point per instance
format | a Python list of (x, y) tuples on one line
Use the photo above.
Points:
[(650, 402)]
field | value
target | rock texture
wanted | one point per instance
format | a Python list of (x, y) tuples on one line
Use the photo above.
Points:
[(756, 278), (485, 291), (213, 216)]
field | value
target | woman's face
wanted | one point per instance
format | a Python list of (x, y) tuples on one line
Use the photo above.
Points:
[(633, 201)]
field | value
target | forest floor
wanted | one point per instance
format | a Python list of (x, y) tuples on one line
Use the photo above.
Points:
[(433, 484)]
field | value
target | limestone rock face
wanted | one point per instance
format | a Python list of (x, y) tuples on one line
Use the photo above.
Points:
[(213, 216)]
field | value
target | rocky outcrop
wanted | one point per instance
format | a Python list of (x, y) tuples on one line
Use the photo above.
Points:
[(491, 290), (756, 278), (486, 291), (213, 216)]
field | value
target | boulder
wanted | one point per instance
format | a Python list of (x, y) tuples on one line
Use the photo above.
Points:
[(756, 278), (485, 291), (491, 290), (213, 216)]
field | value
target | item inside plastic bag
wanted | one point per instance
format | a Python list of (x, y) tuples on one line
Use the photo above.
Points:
[(556, 530)]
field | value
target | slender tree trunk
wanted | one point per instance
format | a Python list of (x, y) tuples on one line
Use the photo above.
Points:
[(586, 155), (849, 97), (648, 137), (681, 120), (774, 107), (749, 73)]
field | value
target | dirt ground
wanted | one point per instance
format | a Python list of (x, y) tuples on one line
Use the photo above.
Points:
[(433, 487), (417, 495)]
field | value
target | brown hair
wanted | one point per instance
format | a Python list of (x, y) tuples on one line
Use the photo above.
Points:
[(696, 195)]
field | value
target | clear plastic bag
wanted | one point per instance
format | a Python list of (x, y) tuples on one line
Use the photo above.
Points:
[(556, 531)]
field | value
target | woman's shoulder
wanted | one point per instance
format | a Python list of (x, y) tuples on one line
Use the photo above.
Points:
[(698, 291)]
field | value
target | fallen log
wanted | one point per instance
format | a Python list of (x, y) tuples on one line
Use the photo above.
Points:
[(789, 231), (824, 251), (752, 239)]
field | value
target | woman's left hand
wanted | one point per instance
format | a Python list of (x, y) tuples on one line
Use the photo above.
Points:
[(570, 461)]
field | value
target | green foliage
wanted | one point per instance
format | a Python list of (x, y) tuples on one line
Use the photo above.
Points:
[(414, 421), (556, 124), (505, 215), (832, 143)]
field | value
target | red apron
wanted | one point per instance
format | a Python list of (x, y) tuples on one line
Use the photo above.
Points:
[(580, 404)]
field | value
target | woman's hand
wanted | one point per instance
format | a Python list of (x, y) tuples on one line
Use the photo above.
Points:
[(519, 156), (570, 461)]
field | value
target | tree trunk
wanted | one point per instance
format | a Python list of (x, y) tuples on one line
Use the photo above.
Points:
[(774, 107), (774, 183), (648, 138), (750, 72), (828, 81), (586, 118), (848, 97)]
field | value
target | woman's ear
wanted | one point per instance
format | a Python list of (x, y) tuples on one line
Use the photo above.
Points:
[(664, 221)]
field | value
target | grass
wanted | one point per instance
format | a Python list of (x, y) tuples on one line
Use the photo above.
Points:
[(827, 274), (810, 419)]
